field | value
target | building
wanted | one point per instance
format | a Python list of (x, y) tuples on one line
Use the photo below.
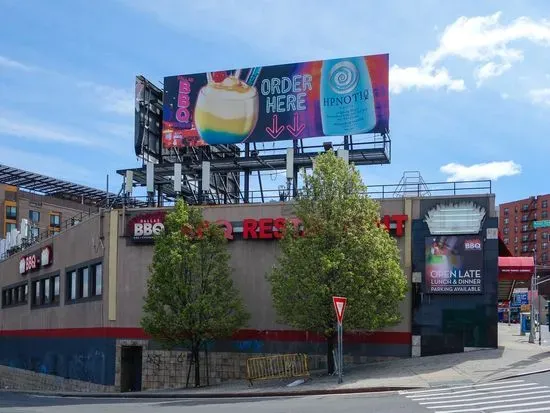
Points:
[(72, 321), (518, 232), (44, 213)]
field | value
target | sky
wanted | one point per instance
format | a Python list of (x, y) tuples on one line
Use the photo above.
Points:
[(469, 80)]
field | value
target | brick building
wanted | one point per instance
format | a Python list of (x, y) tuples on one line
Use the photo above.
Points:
[(516, 226)]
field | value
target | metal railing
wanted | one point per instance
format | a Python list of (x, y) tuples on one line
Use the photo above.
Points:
[(282, 366), (47, 233)]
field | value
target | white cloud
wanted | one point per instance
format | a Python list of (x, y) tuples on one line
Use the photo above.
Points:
[(38, 131), (504, 96), (403, 78), (489, 70), (111, 99), (489, 170), (540, 96), (480, 39), (13, 64)]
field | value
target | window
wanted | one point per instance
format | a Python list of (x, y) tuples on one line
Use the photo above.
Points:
[(45, 291), (535, 236), (524, 248), (15, 295), (524, 218), (545, 235), (516, 218), (544, 245), (524, 227), (11, 212), (524, 207), (34, 216), (506, 221), (506, 211), (85, 282), (506, 240), (35, 232), (505, 230), (544, 214), (515, 239), (545, 203), (55, 220), (10, 226), (525, 238), (544, 257)]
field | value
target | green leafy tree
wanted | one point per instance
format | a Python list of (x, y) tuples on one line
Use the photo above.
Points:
[(343, 252), (190, 295)]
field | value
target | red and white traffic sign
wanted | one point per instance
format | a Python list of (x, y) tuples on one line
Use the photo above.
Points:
[(339, 307)]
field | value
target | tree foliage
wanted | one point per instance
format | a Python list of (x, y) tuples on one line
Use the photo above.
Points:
[(190, 294), (343, 253)]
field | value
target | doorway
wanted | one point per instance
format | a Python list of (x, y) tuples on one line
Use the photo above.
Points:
[(130, 368)]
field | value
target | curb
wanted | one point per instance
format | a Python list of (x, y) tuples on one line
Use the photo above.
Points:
[(141, 395), (529, 373)]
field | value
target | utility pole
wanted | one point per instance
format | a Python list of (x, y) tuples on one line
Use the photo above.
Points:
[(533, 286)]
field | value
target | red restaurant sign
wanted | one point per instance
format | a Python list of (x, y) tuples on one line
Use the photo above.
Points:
[(143, 228)]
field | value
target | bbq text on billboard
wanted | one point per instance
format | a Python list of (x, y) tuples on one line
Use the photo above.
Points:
[(454, 264), (292, 101)]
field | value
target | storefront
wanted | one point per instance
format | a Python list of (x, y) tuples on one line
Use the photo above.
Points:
[(77, 316)]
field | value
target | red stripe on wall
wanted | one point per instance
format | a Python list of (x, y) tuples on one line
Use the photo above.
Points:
[(377, 337)]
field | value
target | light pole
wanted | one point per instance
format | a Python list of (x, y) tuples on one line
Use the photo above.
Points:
[(533, 284)]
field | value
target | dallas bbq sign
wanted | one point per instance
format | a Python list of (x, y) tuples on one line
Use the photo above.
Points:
[(143, 228)]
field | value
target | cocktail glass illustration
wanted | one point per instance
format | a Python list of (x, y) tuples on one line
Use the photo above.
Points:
[(226, 111)]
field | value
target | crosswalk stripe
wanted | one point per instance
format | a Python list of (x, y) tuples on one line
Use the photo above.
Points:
[(495, 407), (452, 406), (473, 390), (536, 409), (499, 396), (405, 392)]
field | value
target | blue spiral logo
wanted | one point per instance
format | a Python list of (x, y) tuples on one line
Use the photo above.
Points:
[(344, 77)]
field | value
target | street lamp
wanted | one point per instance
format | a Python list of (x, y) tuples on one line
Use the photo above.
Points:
[(533, 284)]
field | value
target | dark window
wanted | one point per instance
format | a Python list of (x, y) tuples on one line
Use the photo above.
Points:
[(545, 203), (45, 291), (10, 226), (544, 257), (524, 248), (524, 238), (505, 211), (34, 216), (11, 212), (544, 214), (524, 207), (55, 220), (15, 295), (545, 235), (524, 218), (85, 282), (505, 230)]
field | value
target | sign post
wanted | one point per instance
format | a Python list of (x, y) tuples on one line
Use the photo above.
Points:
[(339, 307)]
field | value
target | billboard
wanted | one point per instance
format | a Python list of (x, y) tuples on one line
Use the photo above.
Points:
[(272, 103), (454, 265)]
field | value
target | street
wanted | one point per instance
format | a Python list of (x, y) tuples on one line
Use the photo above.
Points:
[(521, 395)]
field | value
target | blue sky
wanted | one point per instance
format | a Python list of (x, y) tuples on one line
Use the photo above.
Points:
[(470, 80)]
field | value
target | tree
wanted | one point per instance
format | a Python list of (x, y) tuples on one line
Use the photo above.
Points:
[(343, 252), (190, 295)]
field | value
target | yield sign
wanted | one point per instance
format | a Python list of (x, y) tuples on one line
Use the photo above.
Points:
[(339, 307)]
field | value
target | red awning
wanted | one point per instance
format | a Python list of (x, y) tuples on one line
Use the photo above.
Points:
[(515, 268)]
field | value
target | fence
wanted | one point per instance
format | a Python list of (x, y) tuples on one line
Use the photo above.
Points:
[(277, 367)]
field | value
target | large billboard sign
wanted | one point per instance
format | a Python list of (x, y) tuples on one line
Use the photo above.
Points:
[(454, 265), (293, 101)]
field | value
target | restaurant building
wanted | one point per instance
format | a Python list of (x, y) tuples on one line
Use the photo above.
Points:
[(72, 304)]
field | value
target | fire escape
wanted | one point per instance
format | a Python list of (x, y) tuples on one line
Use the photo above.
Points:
[(528, 232)]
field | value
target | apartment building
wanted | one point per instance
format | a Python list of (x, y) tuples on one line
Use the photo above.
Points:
[(518, 232), (44, 213)]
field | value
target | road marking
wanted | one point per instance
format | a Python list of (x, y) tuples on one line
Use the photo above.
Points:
[(500, 396), (472, 390), (404, 392), (494, 397)]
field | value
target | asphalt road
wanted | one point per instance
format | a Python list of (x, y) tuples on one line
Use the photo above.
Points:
[(522, 395)]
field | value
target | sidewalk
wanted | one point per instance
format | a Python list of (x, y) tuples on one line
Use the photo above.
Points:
[(515, 356)]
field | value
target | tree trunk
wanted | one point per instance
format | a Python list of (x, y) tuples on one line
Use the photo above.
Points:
[(196, 356), (330, 354)]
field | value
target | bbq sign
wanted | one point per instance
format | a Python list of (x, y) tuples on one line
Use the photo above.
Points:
[(35, 261)]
